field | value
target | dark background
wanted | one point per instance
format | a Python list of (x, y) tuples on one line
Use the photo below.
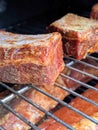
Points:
[(13, 11)]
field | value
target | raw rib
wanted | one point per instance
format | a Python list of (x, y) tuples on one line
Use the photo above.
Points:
[(94, 15), (26, 59), (94, 12), (79, 34)]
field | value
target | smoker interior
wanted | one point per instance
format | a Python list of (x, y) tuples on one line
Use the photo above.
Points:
[(36, 25)]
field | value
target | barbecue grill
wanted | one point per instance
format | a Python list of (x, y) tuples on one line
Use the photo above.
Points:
[(37, 25)]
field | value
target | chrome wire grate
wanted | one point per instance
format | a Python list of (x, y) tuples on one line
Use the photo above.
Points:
[(20, 92), (30, 27)]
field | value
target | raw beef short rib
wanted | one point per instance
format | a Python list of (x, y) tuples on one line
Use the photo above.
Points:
[(26, 59)]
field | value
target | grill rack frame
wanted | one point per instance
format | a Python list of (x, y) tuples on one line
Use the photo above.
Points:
[(26, 88)]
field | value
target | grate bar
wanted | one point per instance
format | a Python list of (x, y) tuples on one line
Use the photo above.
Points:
[(11, 96), (92, 57), (70, 63), (67, 105), (1, 128), (75, 80), (19, 116), (82, 72), (38, 107), (82, 62), (76, 94)]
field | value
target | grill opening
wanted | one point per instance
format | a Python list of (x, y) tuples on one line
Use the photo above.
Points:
[(33, 26)]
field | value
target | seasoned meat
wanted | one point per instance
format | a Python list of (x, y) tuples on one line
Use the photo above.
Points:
[(94, 15), (94, 12), (26, 59), (79, 34)]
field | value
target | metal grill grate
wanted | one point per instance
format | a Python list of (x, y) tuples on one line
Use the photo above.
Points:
[(24, 28)]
